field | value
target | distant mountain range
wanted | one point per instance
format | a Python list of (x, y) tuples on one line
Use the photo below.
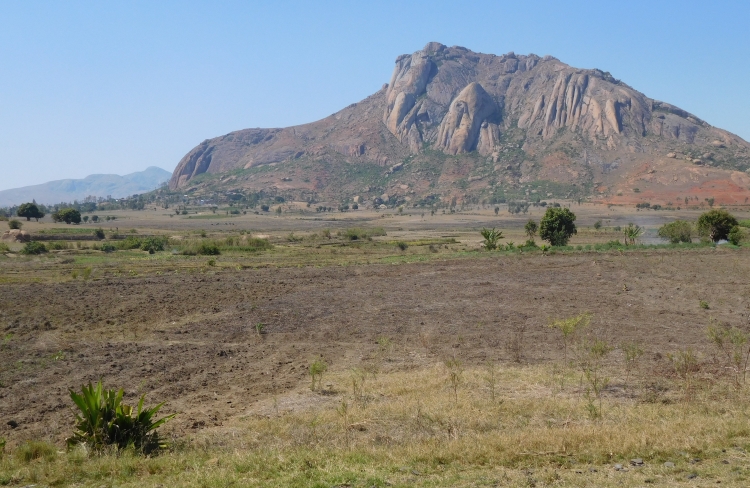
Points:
[(456, 125), (97, 185)]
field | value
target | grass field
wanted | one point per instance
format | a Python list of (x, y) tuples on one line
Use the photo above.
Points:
[(442, 367)]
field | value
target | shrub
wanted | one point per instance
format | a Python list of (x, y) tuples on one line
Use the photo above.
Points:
[(153, 244), (208, 249), (67, 215), (14, 224), (264, 207), (99, 233), (716, 224), (531, 228), (108, 248), (57, 246), (402, 245), (316, 370), (491, 238), (676, 232), (34, 247), (732, 344), (130, 242), (557, 226), (736, 236), (104, 420), (632, 233), (569, 327), (4, 248)]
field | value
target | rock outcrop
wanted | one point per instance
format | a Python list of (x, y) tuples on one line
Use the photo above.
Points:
[(512, 109), (15, 235)]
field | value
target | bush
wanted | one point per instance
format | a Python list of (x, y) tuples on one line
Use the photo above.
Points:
[(676, 232), (153, 244), (354, 234), (14, 224), (4, 248), (34, 247), (99, 233), (557, 226), (736, 236), (491, 238), (108, 248), (208, 249), (402, 245), (67, 215), (57, 246), (265, 208), (716, 224), (130, 242), (105, 421)]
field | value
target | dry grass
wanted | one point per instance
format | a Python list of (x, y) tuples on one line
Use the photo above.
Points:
[(408, 429)]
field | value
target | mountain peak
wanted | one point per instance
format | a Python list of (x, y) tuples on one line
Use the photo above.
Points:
[(460, 102)]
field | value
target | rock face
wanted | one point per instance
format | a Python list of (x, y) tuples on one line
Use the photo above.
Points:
[(459, 102), (459, 132)]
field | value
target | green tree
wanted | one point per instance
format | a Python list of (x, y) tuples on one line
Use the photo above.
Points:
[(67, 215), (677, 231), (557, 226), (716, 224), (531, 228), (30, 211)]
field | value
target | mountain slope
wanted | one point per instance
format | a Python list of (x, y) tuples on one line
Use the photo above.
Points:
[(78, 189), (474, 126)]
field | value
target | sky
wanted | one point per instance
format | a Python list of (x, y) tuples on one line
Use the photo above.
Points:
[(115, 87)]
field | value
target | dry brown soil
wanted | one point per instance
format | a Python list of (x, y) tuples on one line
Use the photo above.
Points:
[(189, 338)]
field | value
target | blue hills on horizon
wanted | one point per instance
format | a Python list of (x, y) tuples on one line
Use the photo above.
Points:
[(99, 185)]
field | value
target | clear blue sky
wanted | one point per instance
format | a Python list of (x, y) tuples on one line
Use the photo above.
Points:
[(114, 87)]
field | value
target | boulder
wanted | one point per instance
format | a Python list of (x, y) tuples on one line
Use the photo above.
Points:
[(16, 235), (671, 155)]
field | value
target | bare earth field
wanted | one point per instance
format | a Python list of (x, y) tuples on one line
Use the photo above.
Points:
[(183, 332)]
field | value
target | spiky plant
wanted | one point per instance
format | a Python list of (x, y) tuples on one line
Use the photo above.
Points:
[(104, 421), (491, 236)]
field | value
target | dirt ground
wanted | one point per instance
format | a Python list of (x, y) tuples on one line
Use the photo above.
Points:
[(189, 338)]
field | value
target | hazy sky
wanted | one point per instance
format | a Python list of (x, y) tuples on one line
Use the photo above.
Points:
[(114, 87)]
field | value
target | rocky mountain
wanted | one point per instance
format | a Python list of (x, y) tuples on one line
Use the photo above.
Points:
[(455, 124), (97, 185)]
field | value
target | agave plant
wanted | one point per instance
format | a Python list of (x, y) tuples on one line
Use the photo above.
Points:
[(632, 233), (105, 421), (491, 236)]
